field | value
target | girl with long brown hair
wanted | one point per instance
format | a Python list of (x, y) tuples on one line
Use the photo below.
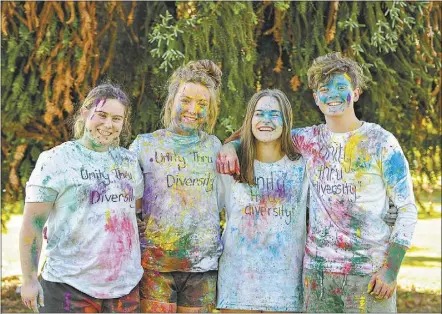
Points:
[(264, 237)]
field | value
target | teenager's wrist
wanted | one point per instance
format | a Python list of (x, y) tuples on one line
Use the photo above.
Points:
[(29, 279)]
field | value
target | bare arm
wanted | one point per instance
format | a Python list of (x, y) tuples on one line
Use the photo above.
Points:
[(30, 242), (384, 282), (140, 219)]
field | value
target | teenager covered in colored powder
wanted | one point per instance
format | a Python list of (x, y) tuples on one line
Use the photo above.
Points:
[(264, 237), (180, 258), (352, 257), (86, 190)]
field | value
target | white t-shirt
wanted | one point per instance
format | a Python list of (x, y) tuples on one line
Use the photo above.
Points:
[(93, 242), (264, 238), (351, 177), (179, 201)]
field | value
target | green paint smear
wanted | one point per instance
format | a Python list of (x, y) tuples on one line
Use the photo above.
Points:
[(39, 222), (183, 246), (34, 255), (395, 255), (46, 180)]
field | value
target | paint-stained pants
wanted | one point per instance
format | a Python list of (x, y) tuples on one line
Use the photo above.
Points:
[(338, 293), (166, 292), (62, 298)]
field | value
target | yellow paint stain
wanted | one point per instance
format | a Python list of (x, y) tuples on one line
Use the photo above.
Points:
[(362, 308), (347, 77), (28, 240), (108, 216), (358, 232), (352, 153)]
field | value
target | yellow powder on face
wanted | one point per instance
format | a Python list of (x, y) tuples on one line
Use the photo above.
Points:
[(347, 77)]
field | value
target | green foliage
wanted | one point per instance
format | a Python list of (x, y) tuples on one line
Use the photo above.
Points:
[(257, 45)]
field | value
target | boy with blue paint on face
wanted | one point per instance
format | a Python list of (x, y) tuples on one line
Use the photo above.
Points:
[(352, 258)]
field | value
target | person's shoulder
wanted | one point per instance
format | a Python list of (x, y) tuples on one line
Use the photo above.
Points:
[(60, 150), (148, 137), (307, 130), (381, 135), (126, 154), (210, 138)]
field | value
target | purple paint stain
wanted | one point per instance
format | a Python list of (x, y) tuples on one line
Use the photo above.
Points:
[(151, 160), (98, 103), (67, 301), (348, 99)]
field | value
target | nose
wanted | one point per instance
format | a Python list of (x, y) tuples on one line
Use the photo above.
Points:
[(192, 107), (108, 122)]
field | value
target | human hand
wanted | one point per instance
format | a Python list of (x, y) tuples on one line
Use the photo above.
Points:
[(227, 161), (141, 227), (382, 284), (30, 293), (391, 215)]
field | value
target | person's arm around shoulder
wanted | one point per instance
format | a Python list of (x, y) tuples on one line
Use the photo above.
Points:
[(397, 178), (227, 161), (30, 243)]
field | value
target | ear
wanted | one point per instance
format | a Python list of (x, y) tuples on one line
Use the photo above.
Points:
[(356, 94), (316, 99), (84, 112)]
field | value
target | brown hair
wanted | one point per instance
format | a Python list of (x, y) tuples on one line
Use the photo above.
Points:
[(324, 67), (204, 72), (247, 150), (98, 93)]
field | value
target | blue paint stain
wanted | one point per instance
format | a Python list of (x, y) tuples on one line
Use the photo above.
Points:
[(395, 168)]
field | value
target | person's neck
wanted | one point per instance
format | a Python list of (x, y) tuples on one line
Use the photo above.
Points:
[(181, 132), (90, 144), (343, 124), (269, 152)]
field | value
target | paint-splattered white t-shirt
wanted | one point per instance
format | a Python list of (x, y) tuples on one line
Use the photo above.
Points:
[(351, 177), (179, 201), (264, 238), (93, 243)]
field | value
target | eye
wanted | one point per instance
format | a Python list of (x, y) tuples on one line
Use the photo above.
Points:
[(275, 115), (184, 101), (203, 103), (258, 114), (101, 115), (323, 89), (342, 87), (117, 119)]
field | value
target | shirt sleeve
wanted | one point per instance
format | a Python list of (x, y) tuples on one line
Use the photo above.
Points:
[(223, 189), (397, 178), (42, 184), (139, 182), (135, 147), (302, 138)]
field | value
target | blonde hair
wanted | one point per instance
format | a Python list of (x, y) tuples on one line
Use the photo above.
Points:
[(204, 72), (247, 150), (97, 94), (324, 67)]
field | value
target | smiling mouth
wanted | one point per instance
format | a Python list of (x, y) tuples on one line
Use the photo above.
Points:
[(104, 133), (190, 118), (334, 103), (266, 129)]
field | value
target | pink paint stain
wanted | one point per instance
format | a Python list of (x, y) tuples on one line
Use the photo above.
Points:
[(67, 301), (347, 268), (119, 246)]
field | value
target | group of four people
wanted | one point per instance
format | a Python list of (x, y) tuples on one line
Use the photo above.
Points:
[(89, 191)]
